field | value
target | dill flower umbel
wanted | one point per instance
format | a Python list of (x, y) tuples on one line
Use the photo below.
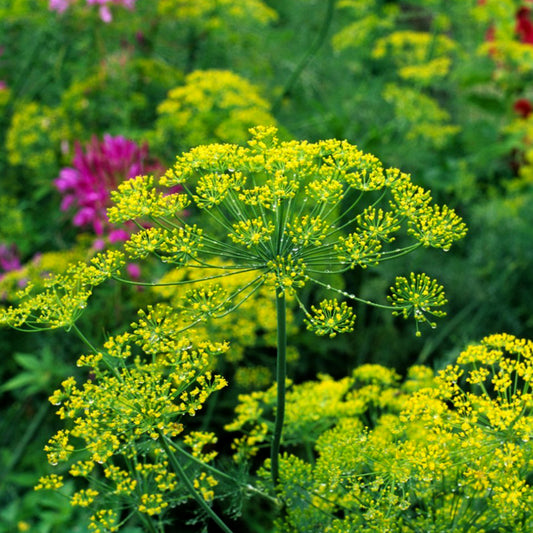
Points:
[(292, 212), (273, 216), (143, 384), (445, 453)]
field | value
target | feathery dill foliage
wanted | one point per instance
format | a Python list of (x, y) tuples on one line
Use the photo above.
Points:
[(291, 212)]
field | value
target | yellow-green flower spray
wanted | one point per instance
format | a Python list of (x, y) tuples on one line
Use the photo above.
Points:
[(290, 212)]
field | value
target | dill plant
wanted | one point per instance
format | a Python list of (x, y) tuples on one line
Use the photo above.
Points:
[(450, 452), (279, 216), (291, 212), (211, 106)]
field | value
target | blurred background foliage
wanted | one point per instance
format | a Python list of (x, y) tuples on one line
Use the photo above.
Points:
[(442, 90)]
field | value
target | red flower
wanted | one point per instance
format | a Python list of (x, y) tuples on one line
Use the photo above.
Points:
[(523, 107), (524, 26)]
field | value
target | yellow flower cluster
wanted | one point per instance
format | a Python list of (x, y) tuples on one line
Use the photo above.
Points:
[(51, 482), (418, 296), (250, 324), (84, 497), (212, 13), (419, 56), (367, 19), (104, 521), (330, 318), (282, 210), (211, 106), (38, 270), (450, 453), (140, 199), (314, 406), (205, 483), (509, 54), (34, 136), (253, 377), (425, 118), (60, 300), (142, 384)]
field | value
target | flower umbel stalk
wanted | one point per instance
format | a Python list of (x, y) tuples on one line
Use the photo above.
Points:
[(281, 373), (190, 487)]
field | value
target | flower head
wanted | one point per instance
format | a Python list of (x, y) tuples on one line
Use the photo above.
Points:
[(524, 26), (105, 13), (9, 259), (96, 171), (523, 107), (293, 212)]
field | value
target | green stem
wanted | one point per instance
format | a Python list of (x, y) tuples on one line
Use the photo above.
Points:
[(147, 522), (210, 411), (281, 373), (190, 487), (83, 338), (223, 475)]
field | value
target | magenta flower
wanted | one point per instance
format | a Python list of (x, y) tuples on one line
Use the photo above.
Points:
[(9, 258), (96, 171), (105, 13), (59, 5)]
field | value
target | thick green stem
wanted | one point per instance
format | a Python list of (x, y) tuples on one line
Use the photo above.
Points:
[(281, 373), (178, 469)]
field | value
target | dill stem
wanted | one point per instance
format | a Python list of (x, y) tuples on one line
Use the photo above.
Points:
[(281, 373), (178, 469)]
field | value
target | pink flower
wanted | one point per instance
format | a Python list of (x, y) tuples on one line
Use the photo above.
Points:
[(118, 235), (105, 13), (59, 5), (97, 170), (9, 259), (134, 270)]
